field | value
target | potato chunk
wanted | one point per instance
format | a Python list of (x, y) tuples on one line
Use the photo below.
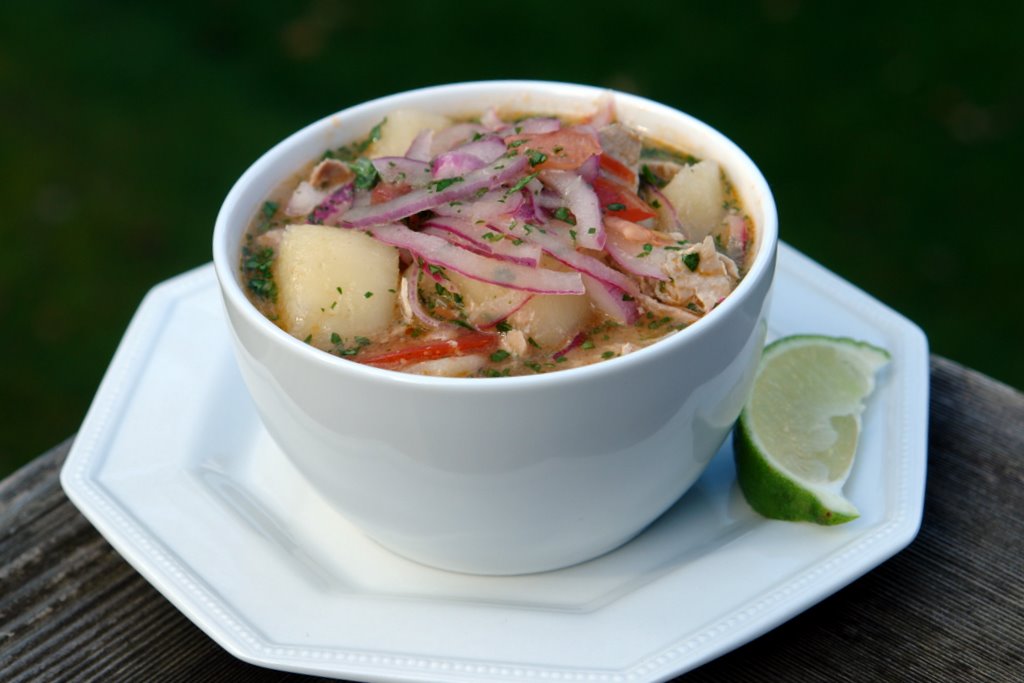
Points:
[(401, 127), (334, 281), (696, 193), (486, 304), (552, 320)]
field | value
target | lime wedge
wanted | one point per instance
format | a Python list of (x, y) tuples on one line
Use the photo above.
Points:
[(797, 435)]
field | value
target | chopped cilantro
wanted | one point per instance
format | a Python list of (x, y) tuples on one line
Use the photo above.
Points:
[(366, 173), (492, 236), (500, 355), (615, 206), (562, 214), (536, 157), (503, 326), (521, 183), (367, 295), (515, 143), (258, 269), (269, 209), (691, 260), (608, 354), (649, 177), (589, 344), (444, 183)]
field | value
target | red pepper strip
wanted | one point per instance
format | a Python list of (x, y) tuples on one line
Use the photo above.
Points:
[(618, 171), (610, 193), (472, 342)]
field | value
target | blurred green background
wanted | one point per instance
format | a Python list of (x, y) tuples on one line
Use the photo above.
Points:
[(891, 135)]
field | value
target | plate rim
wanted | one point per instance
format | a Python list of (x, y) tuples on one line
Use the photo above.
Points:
[(171, 575)]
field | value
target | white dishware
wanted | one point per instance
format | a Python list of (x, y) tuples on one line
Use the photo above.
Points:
[(506, 475), (174, 467)]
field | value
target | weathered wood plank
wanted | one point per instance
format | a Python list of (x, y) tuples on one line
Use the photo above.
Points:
[(946, 608)]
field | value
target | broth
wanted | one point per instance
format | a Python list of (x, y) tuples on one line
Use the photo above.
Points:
[(494, 247)]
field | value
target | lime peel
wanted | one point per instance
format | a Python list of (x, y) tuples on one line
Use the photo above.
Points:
[(797, 436)]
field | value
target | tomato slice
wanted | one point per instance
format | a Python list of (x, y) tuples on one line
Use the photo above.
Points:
[(618, 170), (385, 192), (472, 342), (564, 150), (612, 194)]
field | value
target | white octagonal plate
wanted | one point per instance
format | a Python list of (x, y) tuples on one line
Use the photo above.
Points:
[(174, 468)]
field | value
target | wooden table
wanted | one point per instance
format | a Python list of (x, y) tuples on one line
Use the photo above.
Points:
[(949, 607)]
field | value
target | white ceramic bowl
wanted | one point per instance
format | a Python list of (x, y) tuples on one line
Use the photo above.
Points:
[(507, 475)]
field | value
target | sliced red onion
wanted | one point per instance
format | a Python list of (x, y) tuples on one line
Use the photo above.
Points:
[(612, 301), (420, 147), (488, 149), (527, 211), (512, 275), (668, 219), (560, 248), (331, 208), (410, 292), (490, 206), (581, 199), (489, 177), (468, 157), (454, 163), (536, 125), (644, 259), (304, 199), (573, 343), (590, 168), (549, 200), (453, 136), (403, 170), (488, 241), (456, 239)]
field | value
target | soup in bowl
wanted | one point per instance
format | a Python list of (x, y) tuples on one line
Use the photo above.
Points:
[(500, 326)]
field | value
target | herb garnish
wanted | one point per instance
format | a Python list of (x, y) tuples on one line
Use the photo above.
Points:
[(366, 173), (521, 183), (615, 206), (649, 177), (562, 214), (443, 183), (258, 269), (500, 355), (536, 157), (691, 260)]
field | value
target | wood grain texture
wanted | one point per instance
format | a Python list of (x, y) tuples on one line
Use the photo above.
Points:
[(949, 607)]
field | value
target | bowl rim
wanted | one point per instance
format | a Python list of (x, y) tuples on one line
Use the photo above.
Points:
[(225, 256)]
